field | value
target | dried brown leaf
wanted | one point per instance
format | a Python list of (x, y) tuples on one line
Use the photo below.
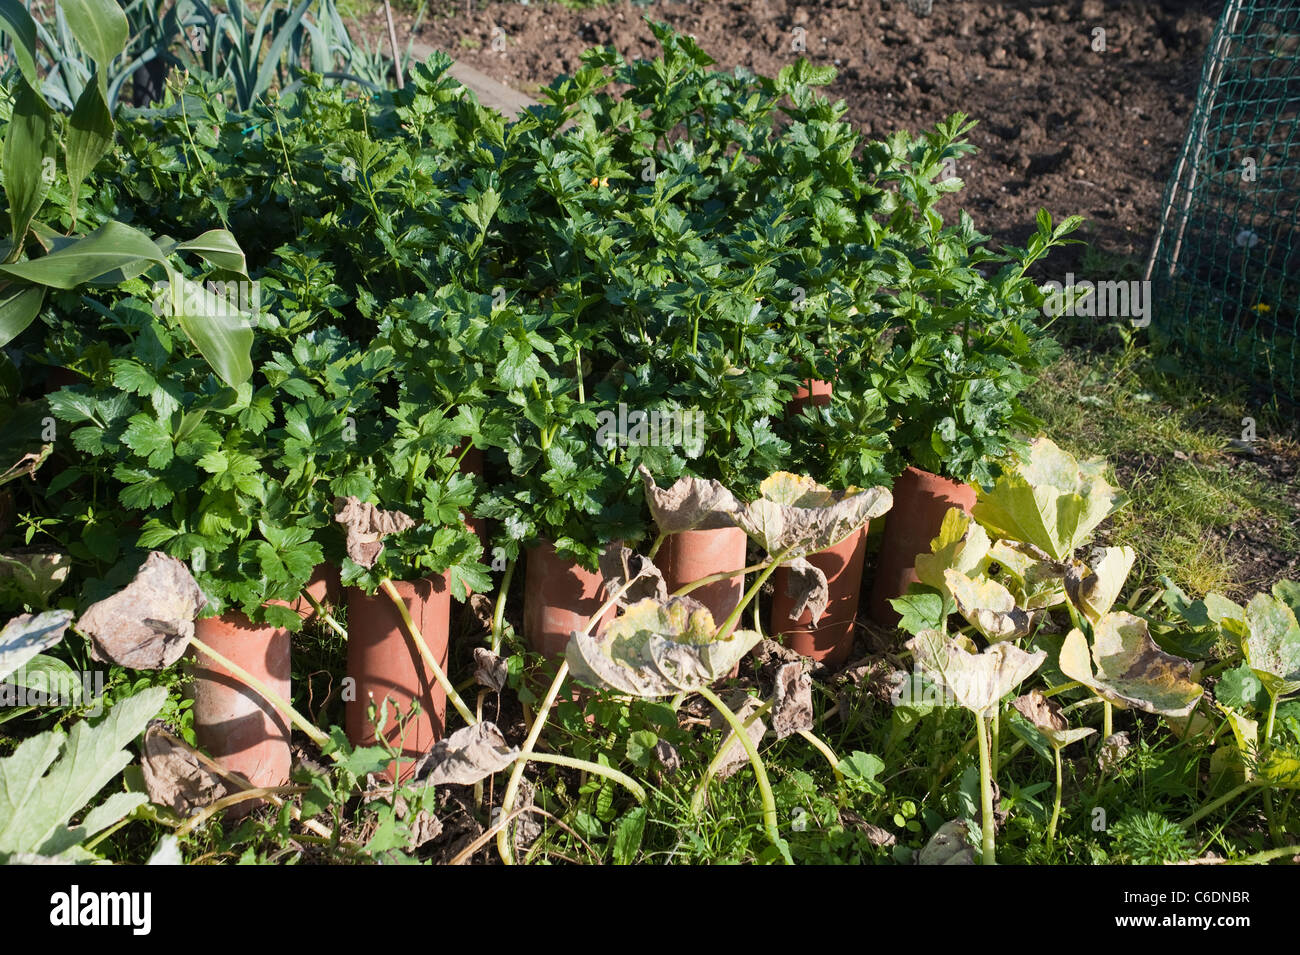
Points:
[(367, 525), (490, 670), (689, 504), (793, 710), (875, 835), (807, 586), (148, 624), (466, 756), (27, 465), (425, 827), (1044, 713), (619, 563), (175, 776), (769, 653), (669, 759), (1112, 752)]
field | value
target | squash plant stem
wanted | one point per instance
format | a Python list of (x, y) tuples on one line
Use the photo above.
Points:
[(713, 578), (1274, 830), (824, 748), (1056, 803), (995, 724), (504, 848), (654, 548), (760, 773), (702, 789), (988, 854), (418, 639), (734, 618), (275, 699)]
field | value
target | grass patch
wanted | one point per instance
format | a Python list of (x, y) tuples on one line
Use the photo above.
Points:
[(1173, 436)]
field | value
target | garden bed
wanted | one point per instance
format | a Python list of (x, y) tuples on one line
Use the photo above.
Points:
[(1061, 126), (430, 487)]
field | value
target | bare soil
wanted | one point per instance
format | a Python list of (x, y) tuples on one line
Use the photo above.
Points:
[(1063, 124)]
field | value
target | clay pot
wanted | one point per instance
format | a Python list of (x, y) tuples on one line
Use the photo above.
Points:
[(560, 596), (232, 722), (921, 500), (690, 555), (830, 640), (812, 392), (387, 667)]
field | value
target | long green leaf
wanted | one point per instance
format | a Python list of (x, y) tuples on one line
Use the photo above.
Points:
[(272, 61), (19, 306), (221, 332), (18, 23), (218, 247), (111, 246), (101, 28), (28, 144), (90, 136)]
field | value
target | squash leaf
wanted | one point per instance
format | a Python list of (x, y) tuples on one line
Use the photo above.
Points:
[(977, 681), (1130, 669), (657, 648), (1050, 500), (796, 516), (51, 776), (1272, 644)]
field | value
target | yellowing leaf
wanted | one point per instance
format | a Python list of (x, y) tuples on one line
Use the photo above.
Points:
[(1051, 500), (657, 648), (1094, 590), (1130, 669), (977, 681), (1272, 644), (796, 516), (1036, 579), (1245, 732), (1280, 769), (962, 545), (988, 605)]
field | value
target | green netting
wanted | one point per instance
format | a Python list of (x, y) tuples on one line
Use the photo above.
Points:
[(1226, 263)]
